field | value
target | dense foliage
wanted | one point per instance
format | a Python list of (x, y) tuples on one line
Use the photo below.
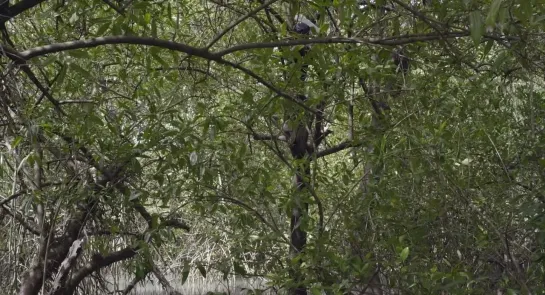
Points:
[(385, 146)]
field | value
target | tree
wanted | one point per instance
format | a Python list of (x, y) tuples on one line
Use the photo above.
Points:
[(126, 123)]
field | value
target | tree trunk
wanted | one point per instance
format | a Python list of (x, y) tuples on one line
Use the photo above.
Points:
[(299, 150)]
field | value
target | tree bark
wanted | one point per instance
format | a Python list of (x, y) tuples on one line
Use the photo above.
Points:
[(298, 238)]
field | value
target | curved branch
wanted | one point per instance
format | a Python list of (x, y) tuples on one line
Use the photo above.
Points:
[(206, 54), (112, 40), (97, 262), (18, 8), (238, 21)]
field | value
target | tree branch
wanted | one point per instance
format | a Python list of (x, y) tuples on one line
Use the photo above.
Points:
[(338, 148), (176, 223), (112, 40), (173, 222), (133, 283), (238, 21), (200, 52), (22, 192), (21, 61), (267, 84), (390, 41), (97, 262), (75, 251), (260, 136), (113, 6), (21, 220), (163, 280), (17, 9)]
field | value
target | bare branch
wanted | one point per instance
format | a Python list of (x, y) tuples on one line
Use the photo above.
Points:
[(97, 262), (75, 251), (21, 61)]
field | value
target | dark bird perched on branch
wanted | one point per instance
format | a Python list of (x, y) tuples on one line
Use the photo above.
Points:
[(302, 28)]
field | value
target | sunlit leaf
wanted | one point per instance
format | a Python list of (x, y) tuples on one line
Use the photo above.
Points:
[(404, 254)]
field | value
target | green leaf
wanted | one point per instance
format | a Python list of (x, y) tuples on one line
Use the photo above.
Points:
[(103, 28), (154, 28), (73, 18), (493, 12), (81, 70), (154, 51), (147, 18), (154, 221), (140, 271), (114, 229), (239, 269), (476, 26), (47, 61), (524, 10), (201, 268), (16, 141), (487, 47), (185, 271), (404, 254), (79, 53), (315, 290), (117, 28)]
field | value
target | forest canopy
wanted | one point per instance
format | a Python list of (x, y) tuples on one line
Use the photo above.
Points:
[(322, 147)]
